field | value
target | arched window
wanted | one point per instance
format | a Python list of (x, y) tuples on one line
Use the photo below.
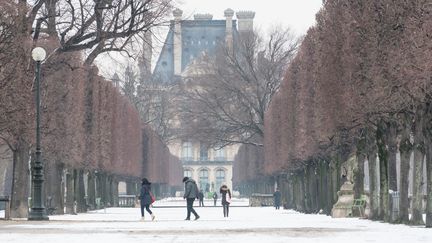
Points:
[(188, 173), (204, 180), (220, 178), (187, 151)]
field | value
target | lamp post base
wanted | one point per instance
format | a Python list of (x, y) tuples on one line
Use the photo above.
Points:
[(38, 214)]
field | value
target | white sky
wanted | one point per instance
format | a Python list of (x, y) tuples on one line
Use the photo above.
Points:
[(299, 15)]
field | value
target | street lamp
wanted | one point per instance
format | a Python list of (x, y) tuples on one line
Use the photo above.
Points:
[(38, 210)]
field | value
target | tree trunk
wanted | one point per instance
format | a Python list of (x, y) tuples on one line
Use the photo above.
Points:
[(294, 191), (429, 183), (427, 130), (79, 191), (392, 153), (53, 189), (108, 191), (307, 186), (373, 187), (359, 175), (70, 192), (325, 188), (419, 154), (21, 181), (290, 192), (91, 191), (383, 156), (312, 189), (405, 155), (115, 191), (337, 179), (302, 191), (315, 189)]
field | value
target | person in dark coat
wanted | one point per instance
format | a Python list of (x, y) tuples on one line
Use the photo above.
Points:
[(145, 198), (277, 198), (201, 198), (191, 193), (215, 196), (226, 199)]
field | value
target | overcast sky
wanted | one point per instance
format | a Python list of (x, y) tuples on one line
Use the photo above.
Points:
[(299, 15)]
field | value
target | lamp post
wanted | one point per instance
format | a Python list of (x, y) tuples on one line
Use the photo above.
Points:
[(38, 210)]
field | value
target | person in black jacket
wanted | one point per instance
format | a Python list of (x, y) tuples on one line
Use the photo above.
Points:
[(201, 198), (277, 198), (215, 196), (145, 198), (226, 199), (191, 192)]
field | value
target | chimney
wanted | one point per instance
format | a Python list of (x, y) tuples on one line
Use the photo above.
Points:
[(146, 58), (245, 20), (229, 13), (177, 13)]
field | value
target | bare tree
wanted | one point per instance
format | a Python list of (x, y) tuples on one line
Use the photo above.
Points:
[(98, 26), (94, 26), (225, 96)]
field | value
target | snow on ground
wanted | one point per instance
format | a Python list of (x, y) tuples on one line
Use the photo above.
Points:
[(245, 224)]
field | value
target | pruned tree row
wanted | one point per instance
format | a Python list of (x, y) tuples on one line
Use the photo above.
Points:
[(359, 92), (91, 133), (162, 168)]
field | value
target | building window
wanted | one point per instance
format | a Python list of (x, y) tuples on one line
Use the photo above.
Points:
[(220, 178), (220, 155), (187, 151), (203, 152), (204, 180), (187, 173)]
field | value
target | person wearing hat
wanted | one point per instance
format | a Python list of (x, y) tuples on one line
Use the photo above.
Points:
[(191, 193), (146, 198)]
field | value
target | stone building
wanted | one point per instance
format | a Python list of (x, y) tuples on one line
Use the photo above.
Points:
[(187, 41)]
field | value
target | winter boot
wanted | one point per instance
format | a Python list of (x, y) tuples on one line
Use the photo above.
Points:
[(142, 218), (153, 217)]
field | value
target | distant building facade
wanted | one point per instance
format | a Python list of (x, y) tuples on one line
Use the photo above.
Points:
[(186, 42)]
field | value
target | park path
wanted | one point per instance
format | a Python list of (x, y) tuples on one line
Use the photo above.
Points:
[(245, 224)]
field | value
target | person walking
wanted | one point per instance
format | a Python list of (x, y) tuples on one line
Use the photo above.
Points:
[(146, 198), (201, 198), (191, 192), (226, 199), (277, 198), (215, 196)]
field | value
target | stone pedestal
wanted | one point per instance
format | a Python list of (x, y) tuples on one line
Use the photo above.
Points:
[(261, 200), (343, 206)]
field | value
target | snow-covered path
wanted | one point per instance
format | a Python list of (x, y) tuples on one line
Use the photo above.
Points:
[(244, 225)]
